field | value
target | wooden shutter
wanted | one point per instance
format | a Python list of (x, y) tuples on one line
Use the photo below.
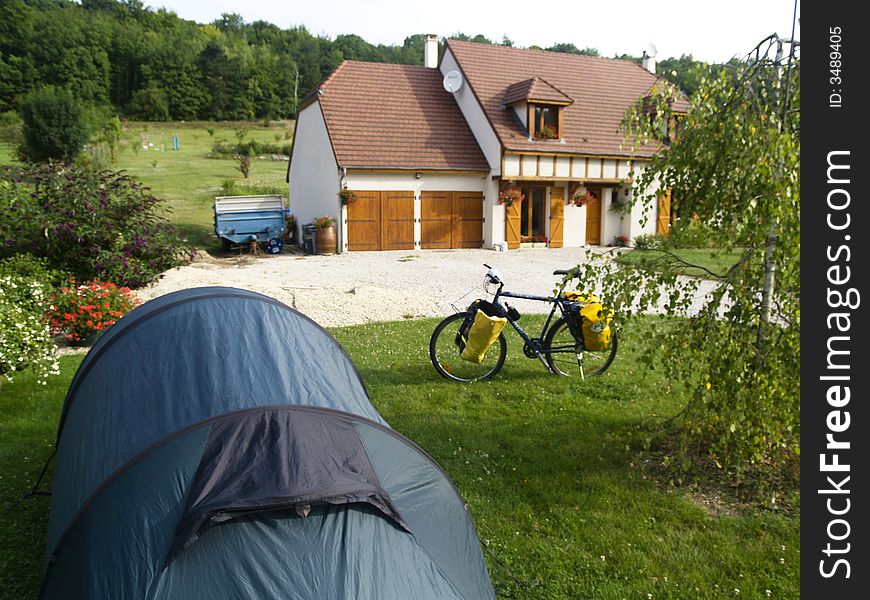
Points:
[(557, 216), (512, 224), (663, 223)]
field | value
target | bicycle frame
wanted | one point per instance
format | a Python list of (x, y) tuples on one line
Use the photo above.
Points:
[(534, 343)]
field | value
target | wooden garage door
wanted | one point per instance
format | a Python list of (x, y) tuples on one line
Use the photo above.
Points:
[(364, 222), (381, 221), (397, 220), (451, 220)]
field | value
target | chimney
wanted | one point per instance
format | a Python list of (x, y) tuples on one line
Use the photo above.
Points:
[(648, 62), (430, 51)]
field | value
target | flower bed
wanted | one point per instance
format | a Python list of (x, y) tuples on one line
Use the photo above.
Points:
[(77, 312)]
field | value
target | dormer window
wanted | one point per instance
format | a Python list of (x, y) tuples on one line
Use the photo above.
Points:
[(545, 121), (668, 130), (540, 107)]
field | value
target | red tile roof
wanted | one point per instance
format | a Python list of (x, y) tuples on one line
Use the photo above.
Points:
[(601, 88), (534, 89), (396, 116)]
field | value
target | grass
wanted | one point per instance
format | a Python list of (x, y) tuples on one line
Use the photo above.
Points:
[(546, 465), (712, 259), (187, 179)]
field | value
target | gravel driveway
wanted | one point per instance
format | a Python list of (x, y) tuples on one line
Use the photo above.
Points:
[(359, 287)]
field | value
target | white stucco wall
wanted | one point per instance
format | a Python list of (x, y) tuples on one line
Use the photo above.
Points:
[(474, 116), (522, 111), (314, 175)]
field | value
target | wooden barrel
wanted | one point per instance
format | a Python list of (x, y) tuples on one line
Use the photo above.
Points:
[(325, 240)]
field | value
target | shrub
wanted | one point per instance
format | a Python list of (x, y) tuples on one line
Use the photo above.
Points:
[(231, 187), (25, 340), (101, 225), (223, 149), (78, 311), (648, 241), (53, 125), (10, 128), (27, 266), (244, 164)]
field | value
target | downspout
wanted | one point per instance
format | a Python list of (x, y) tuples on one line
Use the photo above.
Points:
[(342, 211)]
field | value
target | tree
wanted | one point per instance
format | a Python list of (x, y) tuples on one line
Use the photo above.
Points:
[(53, 125), (735, 169), (569, 48)]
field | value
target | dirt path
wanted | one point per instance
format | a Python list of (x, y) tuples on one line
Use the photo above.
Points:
[(360, 287)]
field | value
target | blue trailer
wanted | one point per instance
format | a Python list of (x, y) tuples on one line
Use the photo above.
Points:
[(244, 219)]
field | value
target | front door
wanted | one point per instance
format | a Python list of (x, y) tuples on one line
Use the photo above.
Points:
[(593, 217), (532, 215)]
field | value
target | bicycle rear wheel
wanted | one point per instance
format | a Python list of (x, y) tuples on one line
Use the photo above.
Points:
[(444, 351), (567, 356)]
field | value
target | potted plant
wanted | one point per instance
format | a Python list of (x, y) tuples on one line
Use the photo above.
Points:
[(347, 196), (548, 132), (580, 196), (324, 238), (621, 241), (510, 196)]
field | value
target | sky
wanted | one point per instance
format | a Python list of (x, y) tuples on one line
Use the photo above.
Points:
[(709, 31)]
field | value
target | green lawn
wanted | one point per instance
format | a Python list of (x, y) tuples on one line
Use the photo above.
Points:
[(712, 259), (187, 179), (545, 464)]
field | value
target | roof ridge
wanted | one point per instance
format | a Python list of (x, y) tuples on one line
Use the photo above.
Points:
[(552, 86), (543, 51), (325, 81)]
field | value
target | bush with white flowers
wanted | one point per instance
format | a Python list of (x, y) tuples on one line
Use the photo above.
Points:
[(25, 340)]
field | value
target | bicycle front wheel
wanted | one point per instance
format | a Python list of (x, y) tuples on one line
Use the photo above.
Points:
[(445, 347), (567, 356)]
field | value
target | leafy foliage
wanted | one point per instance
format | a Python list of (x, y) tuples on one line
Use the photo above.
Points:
[(94, 225), (53, 125), (150, 64), (735, 168), (24, 336)]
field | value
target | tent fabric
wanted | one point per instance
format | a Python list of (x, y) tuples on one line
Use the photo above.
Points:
[(273, 459), (218, 444), (197, 354)]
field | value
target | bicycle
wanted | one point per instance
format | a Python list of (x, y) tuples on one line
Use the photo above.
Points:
[(559, 347)]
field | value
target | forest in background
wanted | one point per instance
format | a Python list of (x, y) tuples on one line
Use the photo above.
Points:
[(153, 65)]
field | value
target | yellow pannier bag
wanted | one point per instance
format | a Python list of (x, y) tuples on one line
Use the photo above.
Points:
[(483, 334), (579, 297), (596, 327)]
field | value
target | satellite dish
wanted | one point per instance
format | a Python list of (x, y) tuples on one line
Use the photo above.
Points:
[(452, 81), (650, 50)]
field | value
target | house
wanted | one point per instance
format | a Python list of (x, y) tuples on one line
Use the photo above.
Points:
[(428, 150)]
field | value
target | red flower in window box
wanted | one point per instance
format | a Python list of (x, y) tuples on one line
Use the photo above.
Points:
[(510, 196)]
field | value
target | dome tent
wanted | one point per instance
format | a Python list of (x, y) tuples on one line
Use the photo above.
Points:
[(215, 443)]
